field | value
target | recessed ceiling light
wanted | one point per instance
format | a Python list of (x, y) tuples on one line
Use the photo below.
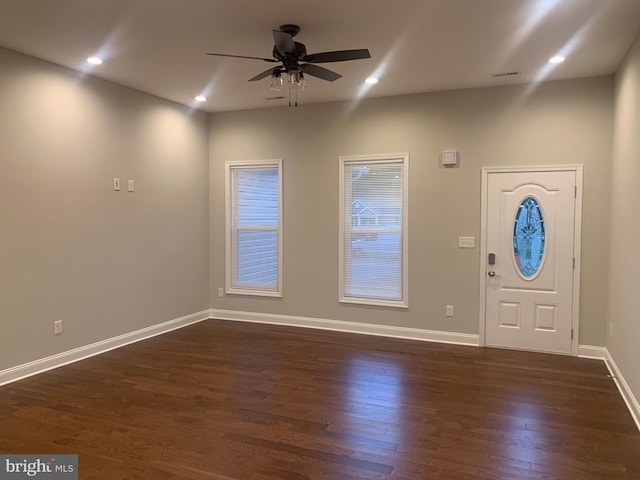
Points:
[(371, 80), (201, 99), (557, 59), (94, 60)]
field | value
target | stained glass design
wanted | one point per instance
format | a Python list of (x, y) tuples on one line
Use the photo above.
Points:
[(529, 237)]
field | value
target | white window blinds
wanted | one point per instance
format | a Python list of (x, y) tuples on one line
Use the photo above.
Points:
[(254, 228), (373, 230)]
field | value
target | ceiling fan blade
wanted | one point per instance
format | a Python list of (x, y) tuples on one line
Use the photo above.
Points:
[(337, 56), (320, 72), (242, 56), (265, 74), (284, 42)]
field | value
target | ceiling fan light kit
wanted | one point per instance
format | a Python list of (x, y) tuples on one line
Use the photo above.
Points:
[(276, 81), (296, 63)]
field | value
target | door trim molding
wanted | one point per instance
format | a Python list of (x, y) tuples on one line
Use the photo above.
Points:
[(577, 241)]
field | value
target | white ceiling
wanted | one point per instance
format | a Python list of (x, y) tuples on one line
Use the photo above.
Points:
[(159, 46)]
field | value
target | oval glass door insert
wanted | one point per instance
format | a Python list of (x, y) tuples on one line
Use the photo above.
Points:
[(528, 237)]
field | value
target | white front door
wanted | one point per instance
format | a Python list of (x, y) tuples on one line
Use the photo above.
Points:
[(529, 259)]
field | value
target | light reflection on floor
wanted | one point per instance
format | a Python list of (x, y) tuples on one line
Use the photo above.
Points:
[(524, 441), (375, 390)]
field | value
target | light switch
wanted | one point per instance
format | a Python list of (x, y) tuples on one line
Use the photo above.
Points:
[(116, 184), (466, 242), (131, 186)]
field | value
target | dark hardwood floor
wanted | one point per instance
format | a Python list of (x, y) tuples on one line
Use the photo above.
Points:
[(221, 400)]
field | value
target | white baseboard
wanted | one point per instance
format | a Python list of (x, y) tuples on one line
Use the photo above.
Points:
[(589, 351), (625, 391), (42, 365), (350, 327)]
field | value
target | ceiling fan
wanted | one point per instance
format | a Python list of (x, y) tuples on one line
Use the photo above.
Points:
[(295, 61)]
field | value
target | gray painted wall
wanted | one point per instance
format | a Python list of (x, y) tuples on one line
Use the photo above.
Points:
[(624, 307), (71, 248), (565, 122)]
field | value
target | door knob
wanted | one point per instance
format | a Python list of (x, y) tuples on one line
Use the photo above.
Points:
[(492, 273)]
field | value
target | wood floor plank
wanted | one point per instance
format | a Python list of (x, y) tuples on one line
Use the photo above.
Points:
[(234, 401)]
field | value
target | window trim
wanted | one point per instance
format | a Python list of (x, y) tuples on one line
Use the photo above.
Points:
[(402, 158), (229, 232)]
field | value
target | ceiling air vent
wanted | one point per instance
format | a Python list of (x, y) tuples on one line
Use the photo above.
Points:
[(505, 74)]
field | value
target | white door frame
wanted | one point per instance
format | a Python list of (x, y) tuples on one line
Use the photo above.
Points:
[(577, 241)]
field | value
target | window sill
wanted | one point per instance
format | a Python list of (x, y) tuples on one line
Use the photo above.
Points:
[(375, 303), (253, 293)]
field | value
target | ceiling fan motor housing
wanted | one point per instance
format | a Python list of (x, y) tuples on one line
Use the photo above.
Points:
[(290, 60)]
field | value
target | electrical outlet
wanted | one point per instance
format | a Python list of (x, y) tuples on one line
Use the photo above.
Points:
[(466, 242), (131, 186), (57, 327), (221, 292), (611, 329), (449, 310)]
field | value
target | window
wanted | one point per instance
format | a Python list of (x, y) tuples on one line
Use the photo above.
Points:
[(254, 227), (528, 237), (373, 230)]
